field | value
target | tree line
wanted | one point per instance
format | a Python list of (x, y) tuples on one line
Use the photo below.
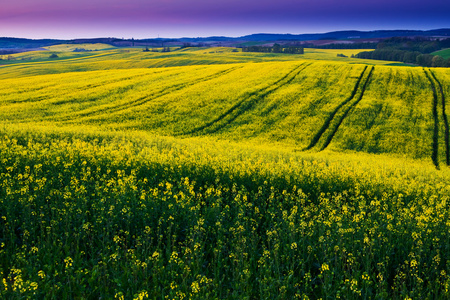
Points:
[(364, 45), (276, 48), (410, 50)]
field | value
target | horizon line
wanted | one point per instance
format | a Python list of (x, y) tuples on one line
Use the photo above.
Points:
[(225, 36)]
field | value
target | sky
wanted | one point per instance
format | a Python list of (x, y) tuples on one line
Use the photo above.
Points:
[(69, 19)]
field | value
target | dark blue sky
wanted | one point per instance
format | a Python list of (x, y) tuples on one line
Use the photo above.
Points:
[(192, 18)]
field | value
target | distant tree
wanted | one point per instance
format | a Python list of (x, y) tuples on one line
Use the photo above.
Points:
[(80, 50), (146, 49), (293, 50), (410, 57), (54, 55), (425, 60), (277, 48), (438, 61)]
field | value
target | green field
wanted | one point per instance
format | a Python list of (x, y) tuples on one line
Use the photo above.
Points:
[(213, 174), (444, 53)]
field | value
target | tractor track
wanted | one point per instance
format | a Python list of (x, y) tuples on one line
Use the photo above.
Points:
[(147, 98), (434, 83), (330, 118), (435, 144), (336, 127), (444, 117), (246, 104)]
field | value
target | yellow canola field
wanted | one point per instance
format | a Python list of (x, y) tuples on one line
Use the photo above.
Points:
[(304, 104)]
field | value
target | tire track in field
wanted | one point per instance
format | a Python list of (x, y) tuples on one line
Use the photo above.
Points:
[(56, 102), (75, 114), (107, 109), (444, 117), (147, 98), (56, 61), (327, 122), (102, 84), (269, 108), (71, 115), (126, 88), (246, 104), (91, 86), (336, 127), (435, 144)]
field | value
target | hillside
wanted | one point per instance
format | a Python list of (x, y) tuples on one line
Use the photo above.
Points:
[(444, 53), (205, 173), (301, 103)]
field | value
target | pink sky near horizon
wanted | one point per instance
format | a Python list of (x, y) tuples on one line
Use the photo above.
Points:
[(178, 18)]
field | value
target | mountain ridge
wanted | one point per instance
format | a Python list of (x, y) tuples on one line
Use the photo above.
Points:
[(25, 43)]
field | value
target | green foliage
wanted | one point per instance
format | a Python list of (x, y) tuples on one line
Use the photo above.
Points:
[(276, 48), (407, 50)]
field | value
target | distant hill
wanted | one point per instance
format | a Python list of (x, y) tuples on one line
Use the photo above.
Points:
[(335, 35), (353, 34), (21, 43)]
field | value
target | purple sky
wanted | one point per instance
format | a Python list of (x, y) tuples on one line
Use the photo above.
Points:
[(193, 18)]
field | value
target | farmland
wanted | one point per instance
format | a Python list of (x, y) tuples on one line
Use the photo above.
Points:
[(207, 173), (444, 53)]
